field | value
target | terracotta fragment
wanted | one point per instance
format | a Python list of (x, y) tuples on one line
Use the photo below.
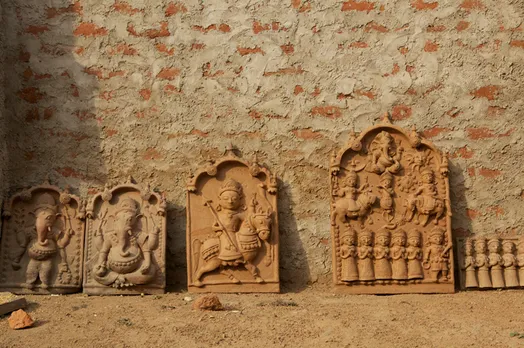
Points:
[(42, 242), (208, 303), (20, 320), (125, 242), (232, 227), (390, 188)]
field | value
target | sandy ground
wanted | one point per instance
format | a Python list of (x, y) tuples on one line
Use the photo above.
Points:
[(312, 318)]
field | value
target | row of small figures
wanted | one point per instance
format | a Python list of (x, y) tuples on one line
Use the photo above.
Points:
[(487, 267)]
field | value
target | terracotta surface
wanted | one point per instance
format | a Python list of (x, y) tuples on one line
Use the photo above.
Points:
[(232, 227), (390, 214), (491, 263), (20, 320), (126, 242), (42, 242), (209, 302)]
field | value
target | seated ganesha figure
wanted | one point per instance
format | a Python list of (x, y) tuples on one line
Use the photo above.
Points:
[(125, 252)]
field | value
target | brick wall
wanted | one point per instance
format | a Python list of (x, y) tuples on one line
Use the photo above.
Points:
[(97, 90)]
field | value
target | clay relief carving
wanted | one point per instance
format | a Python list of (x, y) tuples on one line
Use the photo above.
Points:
[(232, 228), (126, 238), (390, 214), (42, 241), (491, 263)]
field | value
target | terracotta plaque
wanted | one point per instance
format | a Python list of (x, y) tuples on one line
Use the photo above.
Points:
[(125, 242), (491, 262), (42, 242), (390, 214), (232, 227)]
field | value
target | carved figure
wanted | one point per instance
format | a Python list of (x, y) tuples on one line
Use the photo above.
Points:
[(520, 260), (354, 202), (42, 241), (470, 265), (510, 264), (437, 255), (381, 255), (414, 255), (238, 236), (383, 155), (425, 201), (495, 263), (398, 255), (386, 194), (365, 256), (348, 253), (482, 263)]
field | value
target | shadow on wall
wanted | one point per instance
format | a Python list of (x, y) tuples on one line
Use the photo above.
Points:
[(50, 116)]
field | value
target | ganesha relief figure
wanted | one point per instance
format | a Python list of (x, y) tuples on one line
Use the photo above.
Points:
[(232, 241), (43, 238), (383, 154), (126, 242)]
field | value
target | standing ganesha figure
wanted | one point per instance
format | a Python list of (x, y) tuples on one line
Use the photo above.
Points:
[(348, 253), (365, 256), (124, 257), (42, 242), (381, 255), (495, 263), (437, 255), (510, 264), (470, 265), (398, 256), (414, 256), (238, 237), (482, 263)]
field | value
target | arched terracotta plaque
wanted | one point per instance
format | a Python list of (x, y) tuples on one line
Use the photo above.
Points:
[(232, 227), (390, 214), (42, 242), (125, 242)]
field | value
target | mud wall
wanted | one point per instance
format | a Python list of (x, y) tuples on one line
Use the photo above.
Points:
[(99, 90)]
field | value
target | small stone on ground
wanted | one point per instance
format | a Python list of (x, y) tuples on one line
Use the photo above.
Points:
[(208, 303), (20, 320)]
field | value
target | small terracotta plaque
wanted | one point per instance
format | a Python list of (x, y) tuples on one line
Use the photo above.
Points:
[(232, 227), (125, 242), (491, 263), (42, 242), (390, 214)]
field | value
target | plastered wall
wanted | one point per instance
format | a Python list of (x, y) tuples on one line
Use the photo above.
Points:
[(97, 90)]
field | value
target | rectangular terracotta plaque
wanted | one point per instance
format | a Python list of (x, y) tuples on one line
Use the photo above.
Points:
[(390, 214), (125, 242), (232, 228), (42, 242)]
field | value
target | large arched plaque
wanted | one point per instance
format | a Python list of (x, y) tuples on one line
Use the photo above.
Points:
[(390, 214)]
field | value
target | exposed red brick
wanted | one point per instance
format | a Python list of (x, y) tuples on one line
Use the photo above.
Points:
[(89, 29), (462, 25), (489, 92), (368, 94), (362, 6), (28, 73), (163, 48), (306, 133), (151, 154), (403, 50), (198, 46), (497, 209), (79, 50), (175, 7), (145, 93), (48, 113), (517, 43), (206, 71), (95, 72), (471, 172), (374, 26), (243, 51), (298, 90), (411, 91), (472, 214), (84, 115), (295, 3), (480, 133), (436, 28), (168, 73), (326, 111), (75, 92), (469, 5), (489, 173), (288, 48), (400, 112), (435, 131), (394, 71), (36, 29), (258, 27), (170, 89), (24, 56), (430, 46), (316, 92), (75, 8), (453, 112), (359, 44), (222, 27), (420, 5), (285, 71), (257, 115), (31, 95), (125, 8), (464, 152), (199, 133), (110, 132), (123, 48), (495, 111), (154, 33), (42, 76)]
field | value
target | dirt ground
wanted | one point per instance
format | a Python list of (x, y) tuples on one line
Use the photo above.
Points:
[(312, 318)]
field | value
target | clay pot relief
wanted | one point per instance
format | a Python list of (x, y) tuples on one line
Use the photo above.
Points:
[(487, 265)]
